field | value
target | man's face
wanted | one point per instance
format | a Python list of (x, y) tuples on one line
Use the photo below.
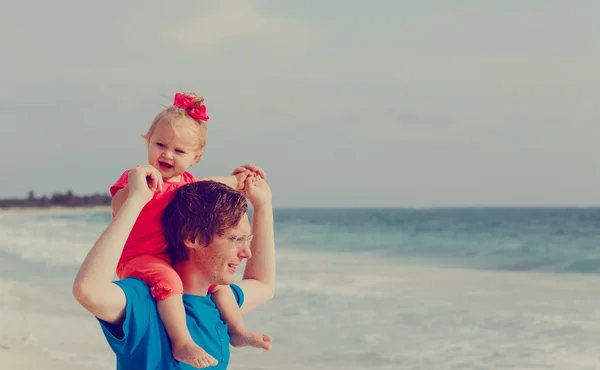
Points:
[(219, 261)]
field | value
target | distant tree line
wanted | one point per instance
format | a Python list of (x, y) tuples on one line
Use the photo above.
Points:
[(67, 199)]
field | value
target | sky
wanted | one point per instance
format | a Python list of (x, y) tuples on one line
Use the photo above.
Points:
[(342, 103)]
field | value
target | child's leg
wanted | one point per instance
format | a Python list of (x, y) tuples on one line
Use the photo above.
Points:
[(167, 289), (172, 314), (240, 335)]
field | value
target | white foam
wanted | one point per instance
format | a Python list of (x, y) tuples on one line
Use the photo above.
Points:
[(35, 236), (340, 311), (378, 314)]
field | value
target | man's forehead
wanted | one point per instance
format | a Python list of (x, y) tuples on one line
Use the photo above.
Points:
[(242, 228)]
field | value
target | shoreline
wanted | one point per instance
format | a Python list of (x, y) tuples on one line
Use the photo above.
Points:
[(56, 208), (467, 302), (462, 305), (25, 357)]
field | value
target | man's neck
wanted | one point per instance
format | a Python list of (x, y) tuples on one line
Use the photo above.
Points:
[(194, 283)]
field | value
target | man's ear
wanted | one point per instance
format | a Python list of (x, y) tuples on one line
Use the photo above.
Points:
[(193, 244), (190, 244)]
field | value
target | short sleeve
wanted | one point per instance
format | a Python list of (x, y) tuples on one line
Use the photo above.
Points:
[(238, 293), (124, 338), (188, 178), (120, 184)]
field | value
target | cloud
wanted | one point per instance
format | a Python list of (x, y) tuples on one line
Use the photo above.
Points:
[(241, 21), (428, 101)]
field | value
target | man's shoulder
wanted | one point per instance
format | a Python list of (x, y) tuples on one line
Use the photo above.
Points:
[(238, 293), (132, 283), (134, 287), (142, 291)]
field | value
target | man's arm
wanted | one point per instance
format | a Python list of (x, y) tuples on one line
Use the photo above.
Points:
[(119, 198), (93, 287), (258, 283)]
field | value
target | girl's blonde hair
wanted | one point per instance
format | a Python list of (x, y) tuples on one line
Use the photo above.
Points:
[(178, 117)]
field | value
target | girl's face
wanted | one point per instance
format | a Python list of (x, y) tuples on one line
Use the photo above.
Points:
[(171, 151)]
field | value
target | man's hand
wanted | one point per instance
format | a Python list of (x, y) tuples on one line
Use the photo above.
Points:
[(257, 191), (143, 181), (240, 178)]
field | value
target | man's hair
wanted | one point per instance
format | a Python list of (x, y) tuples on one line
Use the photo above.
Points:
[(196, 212)]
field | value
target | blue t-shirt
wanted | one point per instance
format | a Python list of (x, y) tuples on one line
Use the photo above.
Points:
[(141, 341)]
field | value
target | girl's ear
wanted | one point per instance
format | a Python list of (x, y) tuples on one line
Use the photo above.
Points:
[(198, 157)]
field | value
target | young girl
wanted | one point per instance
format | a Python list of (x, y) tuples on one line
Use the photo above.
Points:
[(176, 141)]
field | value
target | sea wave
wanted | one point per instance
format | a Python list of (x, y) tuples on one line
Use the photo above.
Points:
[(550, 240)]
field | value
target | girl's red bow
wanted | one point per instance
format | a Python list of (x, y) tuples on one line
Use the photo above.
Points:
[(197, 112)]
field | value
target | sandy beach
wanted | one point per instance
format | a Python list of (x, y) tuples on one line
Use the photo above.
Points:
[(461, 315), (333, 309), (24, 358), (57, 210)]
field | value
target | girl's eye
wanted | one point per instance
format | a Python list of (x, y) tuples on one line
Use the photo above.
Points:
[(180, 151), (159, 144)]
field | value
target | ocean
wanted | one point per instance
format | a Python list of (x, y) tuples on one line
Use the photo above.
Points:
[(472, 288)]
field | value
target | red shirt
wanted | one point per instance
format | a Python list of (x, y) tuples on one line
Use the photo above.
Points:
[(147, 236)]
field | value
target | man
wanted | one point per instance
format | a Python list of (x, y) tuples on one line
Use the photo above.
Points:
[(208, 234)]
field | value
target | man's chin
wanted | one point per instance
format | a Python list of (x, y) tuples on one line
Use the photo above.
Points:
[(227, 280)]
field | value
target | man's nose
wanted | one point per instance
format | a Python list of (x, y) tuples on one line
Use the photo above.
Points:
[(245, 251)]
